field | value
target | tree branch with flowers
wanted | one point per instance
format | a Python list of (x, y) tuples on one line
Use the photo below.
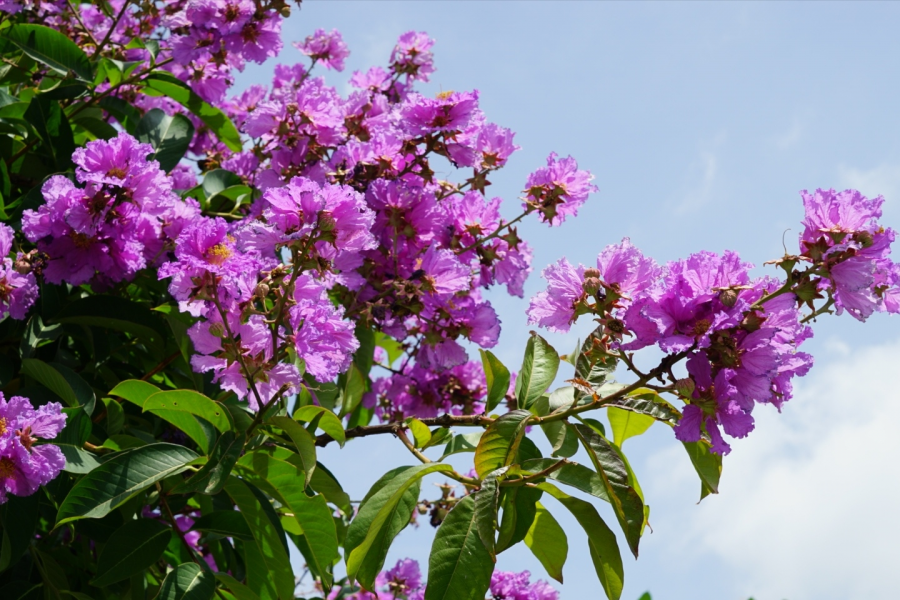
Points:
[(200, 288)]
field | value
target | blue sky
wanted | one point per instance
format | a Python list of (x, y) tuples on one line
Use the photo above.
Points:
[(701, 122)]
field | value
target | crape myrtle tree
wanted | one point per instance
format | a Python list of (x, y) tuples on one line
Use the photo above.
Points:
[(199, 288)]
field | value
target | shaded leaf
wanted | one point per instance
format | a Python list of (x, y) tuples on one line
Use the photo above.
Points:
[(303, 441), (131, 549), (170, 136), (53, 127), (121, 477), (51, 48), (459, 567), (188, 582), (497, 377), (462, 442), (212, 476), (227, 523), (708, 465), (519, 506)]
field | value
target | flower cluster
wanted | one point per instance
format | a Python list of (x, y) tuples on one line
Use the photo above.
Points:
[(114, 226), (420, 392), (843, 237), (25, 464), (404, 582), (18, 287)]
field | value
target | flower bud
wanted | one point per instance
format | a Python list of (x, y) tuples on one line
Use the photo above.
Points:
[(285, 11), (22, 265), (591, 285), (592, 272), (217, 329), (728, 297), (685, 387), (261, 290), (326, 222)]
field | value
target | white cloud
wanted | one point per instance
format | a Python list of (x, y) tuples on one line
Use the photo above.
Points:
[(702, 176), (883, 180), (808, 503)]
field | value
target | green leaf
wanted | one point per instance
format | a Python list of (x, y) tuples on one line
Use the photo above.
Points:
[(393, 348), (218, 180), (160, 83), (438, 436), (462, 442), (101, 130), (708, 465), (366, 560), (19, 518), (625, 500), (131, 549), (120, 478), (135, 391), (303, 441), (118, 314), (199, 430), (212, 476), (500, 442), (286, 482), (193, 403), (240, 591), (188, 582), (602, 543), (626, 424), (324, 419), (78, 427), (169, 136), (538, 370), (420, 431), (51, 48), (562, 441), (270, 574), (227, 523), (354, 388), (645, 401), (497, 377), (126, 114), (78, 461), (487, 499), (548, 542), (459, 567), (53, 127), (593, 366), (519, 506), (115, 416), (61, 381), (324, 482)]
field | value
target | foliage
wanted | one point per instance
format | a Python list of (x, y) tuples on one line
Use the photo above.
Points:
[(200, 290)]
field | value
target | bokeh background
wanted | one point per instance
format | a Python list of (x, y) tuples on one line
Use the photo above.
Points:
[(701, 122)]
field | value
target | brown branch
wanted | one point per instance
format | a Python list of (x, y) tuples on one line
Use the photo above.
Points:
[(442, 421)]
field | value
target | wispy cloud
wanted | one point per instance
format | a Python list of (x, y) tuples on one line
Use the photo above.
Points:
[(807, 509), (702, 174)]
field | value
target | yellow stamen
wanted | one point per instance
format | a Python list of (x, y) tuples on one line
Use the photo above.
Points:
[(7, 468), (218, 254)]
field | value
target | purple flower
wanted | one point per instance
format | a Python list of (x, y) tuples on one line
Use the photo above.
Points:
[(516, 586), (626, 271), (24, 466), (558, 189), (412, 56), (17, 291), (556, 308), (328, 49), (442, 273), (450, 111)]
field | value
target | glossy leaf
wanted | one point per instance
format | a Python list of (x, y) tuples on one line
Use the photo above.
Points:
[(188, 582), (547, 541), (538, 371), (135, 391), (421, 433), (285, 482), (707, 464), (365, 560), (459, 567), (325, 420), (160, 83), (121, 477), (238, 589), (269, 573), (131, 549), (519, 505), (193, 403), (604, 549), (487, 499), (644, 401), (51, 48), (72, 390), (462, 442), (227, 523), (303, 440), (78, 461), (626, 424), (170, 136), (497, 377), (500, 442), (625, 500), (353, 390), (212, 476)]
